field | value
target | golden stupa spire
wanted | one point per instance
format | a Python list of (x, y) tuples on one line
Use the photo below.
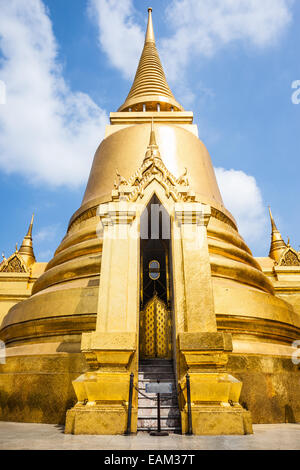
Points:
[(152, 149), (150, 31), (278, 245), (26, 249), (150, 90)]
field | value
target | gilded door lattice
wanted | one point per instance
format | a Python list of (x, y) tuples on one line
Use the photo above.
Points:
[(155, 330)]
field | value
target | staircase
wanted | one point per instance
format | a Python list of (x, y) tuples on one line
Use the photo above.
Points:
[(149, 371)]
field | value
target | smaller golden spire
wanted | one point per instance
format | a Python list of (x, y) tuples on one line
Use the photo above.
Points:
[(26, 249), (278, 245), (152, 149)]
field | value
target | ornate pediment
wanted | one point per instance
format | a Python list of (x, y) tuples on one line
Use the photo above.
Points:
[(153, 169), (14, 264), (290, 257)]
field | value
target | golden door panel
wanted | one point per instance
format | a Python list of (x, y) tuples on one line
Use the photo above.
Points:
[(155, 330)]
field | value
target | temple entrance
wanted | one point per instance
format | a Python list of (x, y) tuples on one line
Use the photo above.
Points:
[(155, 309), (156, 356)]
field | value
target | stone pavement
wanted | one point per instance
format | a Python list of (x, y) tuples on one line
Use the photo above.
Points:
[(19, 436)]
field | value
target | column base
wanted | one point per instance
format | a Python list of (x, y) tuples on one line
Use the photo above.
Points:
[(99, 419), (218, 420)]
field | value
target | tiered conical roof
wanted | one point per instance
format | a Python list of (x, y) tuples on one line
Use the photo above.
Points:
[(150, 90)]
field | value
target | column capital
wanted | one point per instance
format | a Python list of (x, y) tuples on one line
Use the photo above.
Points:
[(117, 213), (192, 213)]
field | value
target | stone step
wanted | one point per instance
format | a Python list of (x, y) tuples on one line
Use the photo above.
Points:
[(156, 369), (176, 430), (152, 403), (164, 362), (154, 375), (149, 422), (166, 412), (142, 384), (148, 381), (149, 372), (165, 399)]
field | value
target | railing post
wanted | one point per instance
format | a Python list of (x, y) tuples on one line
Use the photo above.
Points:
[(188, 392), (158, 413), (128, 431)]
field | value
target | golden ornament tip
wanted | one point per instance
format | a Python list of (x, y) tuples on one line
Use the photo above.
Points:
[(274, 227), (29, 233), (150, 31)]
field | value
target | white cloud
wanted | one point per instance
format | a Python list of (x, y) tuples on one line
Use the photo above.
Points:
[(204, 27), (200, 29), (242, 197), (45, 256), (47, 132), (46, 240), (119, 36), (48, 234)]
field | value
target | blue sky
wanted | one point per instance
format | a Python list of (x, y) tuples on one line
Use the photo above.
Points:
[(68, 63)]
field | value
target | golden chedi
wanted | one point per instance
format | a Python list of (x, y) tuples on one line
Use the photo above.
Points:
[(18, 273), (152, 270)]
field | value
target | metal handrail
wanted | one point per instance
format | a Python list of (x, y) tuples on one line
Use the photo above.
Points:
[(128, 430), (188, 389)]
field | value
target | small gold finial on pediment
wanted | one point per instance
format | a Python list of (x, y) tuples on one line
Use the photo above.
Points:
[(121, 180), (183, 180), (152, 149)]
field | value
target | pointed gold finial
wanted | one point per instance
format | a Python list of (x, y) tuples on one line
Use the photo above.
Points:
[(150, 31), (26, 249), (152, 135), (274, 228), (29, 233), (150, 90), (278, 245), (152, 149)]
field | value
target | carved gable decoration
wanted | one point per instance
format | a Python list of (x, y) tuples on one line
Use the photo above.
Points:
[(290, 258), (14, 264), (152, 169)]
